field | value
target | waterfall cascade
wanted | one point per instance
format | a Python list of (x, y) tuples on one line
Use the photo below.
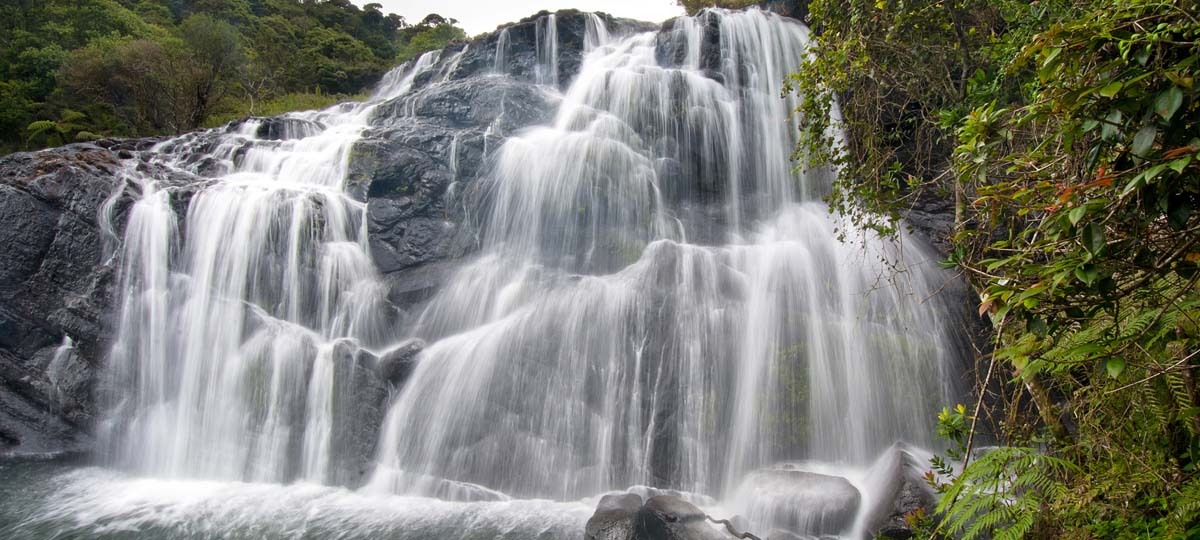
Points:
[(233, 317), (658, 298)]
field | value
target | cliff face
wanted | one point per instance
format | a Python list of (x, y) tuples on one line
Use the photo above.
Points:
[(54, 281)]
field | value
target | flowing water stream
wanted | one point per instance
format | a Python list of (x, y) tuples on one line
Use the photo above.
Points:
[(658, 299)]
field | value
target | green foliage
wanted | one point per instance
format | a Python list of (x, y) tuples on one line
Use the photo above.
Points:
[(149, 67), (694, 6), (58, 132), (428, 39), (896, 69), (1069, 134), (999, 495), (296, 101)]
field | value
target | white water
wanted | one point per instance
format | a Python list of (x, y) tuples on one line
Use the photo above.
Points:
[(660, 300), (223, 366), (592, 346)]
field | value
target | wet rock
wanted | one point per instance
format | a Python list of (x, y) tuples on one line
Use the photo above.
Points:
[(614, 518), (54, 281), (800, 501), (671, 47), (796, 9), (360, 399), (395, 365), (279, 128), (902, 492), (624, 516), (671, 518)]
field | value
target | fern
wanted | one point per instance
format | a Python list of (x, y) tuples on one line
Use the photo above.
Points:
[(999, 494)]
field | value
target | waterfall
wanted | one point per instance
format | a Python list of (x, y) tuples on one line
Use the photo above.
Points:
[(57, 371), (500, 62), (547, 50), (604, 338), (240, 318), (658, 298)]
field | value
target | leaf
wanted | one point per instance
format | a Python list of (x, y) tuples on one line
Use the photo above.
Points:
[(1087, 274), (1077, 214), (1144, 140), (985, 306), (1093, 238), (1115, 366), (1168, 102), (1179, 210), (1180, 164), (1050, 56), (1112, 125), (1111, 89), (1037, 325)]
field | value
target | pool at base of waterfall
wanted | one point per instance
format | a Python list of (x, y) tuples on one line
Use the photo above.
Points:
[(62, 499), (67, 498)]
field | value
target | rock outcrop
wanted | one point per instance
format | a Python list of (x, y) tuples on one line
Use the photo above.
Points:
[(55, 283)]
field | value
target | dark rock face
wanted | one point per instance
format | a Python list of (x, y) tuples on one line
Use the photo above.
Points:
[(419, 167), (395, 365), (54, 282), (663, 517), (361, 396), (796, 9), (283, 128)]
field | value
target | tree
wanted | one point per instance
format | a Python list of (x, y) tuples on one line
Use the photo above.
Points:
[(217, 51), (424, 38), (147, 67), (693, 7)]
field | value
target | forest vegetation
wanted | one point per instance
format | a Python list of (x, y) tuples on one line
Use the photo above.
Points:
[(1068, 134), (74, 70)]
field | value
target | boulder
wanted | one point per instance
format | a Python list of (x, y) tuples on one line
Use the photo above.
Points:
[(800, 501), (614, 518), (623, 516), (901, 491)]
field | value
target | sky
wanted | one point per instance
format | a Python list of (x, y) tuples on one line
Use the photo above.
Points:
[(479, 16)]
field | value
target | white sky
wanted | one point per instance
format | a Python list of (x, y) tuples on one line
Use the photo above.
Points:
[(479, 16)]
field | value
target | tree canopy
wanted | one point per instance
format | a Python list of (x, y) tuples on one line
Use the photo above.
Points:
[(80, 69)]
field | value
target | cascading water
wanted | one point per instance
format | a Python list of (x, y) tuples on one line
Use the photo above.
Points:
[(224, 365), (547, 50), (593, 347), (658, 300)]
